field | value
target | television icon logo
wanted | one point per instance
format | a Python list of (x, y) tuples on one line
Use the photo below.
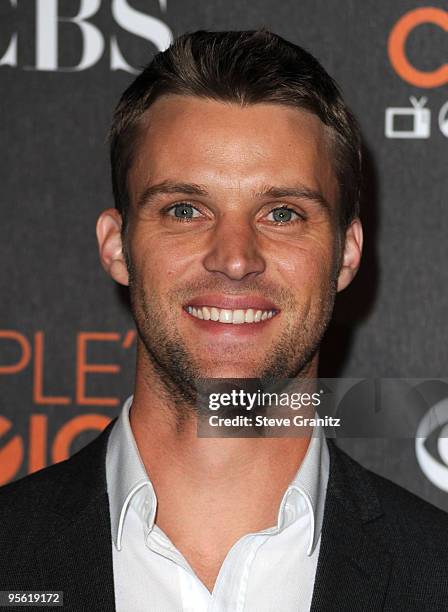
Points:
[(411, 122), (443, 119)]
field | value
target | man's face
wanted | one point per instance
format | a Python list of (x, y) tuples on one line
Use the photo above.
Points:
[(232, 217)]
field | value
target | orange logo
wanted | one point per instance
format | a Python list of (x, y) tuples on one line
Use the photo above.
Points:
[(69, 431), (11, 454), (39, 444), (397, 47)]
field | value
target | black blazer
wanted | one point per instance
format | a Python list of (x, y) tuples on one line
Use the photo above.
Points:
[(382, 548)]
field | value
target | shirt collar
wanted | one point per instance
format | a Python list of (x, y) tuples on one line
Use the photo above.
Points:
[(309, 486), (125, 473), (128, 483)]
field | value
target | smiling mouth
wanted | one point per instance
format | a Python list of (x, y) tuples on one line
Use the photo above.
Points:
[(234, 316)]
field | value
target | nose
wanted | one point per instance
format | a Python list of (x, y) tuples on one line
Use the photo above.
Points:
[(234, 251)]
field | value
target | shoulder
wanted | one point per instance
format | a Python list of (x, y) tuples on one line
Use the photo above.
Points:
[(398, 501), (78, 470), (39, 484), (33, 508), (407, 520)]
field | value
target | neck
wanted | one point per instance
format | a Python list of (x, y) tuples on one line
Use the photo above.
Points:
[(210, 491)]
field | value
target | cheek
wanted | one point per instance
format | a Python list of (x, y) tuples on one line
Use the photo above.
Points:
[(308, 263), (158, 260)]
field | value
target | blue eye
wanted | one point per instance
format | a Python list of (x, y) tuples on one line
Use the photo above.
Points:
[(183, 211), (283, 215)]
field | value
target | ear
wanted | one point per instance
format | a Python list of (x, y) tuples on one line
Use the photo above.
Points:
[(351, 257), (108, 233)]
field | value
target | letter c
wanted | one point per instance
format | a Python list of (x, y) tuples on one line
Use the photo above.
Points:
[(397, 43)]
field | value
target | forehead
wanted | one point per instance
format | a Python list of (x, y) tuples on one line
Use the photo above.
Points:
[(227, 146)]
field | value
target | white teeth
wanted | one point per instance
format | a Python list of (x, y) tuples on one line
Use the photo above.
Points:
[(238, 317), (249, 318), (225, 315)]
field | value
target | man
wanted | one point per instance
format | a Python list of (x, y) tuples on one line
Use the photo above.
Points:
[(236, 176)]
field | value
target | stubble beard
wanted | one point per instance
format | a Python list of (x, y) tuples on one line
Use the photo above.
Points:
[(178, 372)]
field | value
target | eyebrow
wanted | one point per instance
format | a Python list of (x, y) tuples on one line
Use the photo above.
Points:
[(299, 191), (269, 191), (167, 187)]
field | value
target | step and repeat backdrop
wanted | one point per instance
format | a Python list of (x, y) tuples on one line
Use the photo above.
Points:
[(67, 340)]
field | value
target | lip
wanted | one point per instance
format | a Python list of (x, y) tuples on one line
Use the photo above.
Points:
[(232, 302)]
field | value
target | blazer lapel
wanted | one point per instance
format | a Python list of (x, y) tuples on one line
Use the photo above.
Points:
[(354, 564), (76, 558)]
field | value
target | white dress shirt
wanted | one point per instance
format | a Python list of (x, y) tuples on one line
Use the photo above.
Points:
[(267, 571)]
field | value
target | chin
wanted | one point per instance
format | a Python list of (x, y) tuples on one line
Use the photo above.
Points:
[(233, 370)]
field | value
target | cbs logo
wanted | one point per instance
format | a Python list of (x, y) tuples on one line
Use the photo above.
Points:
[(434, 425), (397, 47)]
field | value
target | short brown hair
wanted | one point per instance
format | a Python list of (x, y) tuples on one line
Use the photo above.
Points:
[(245, 67)]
